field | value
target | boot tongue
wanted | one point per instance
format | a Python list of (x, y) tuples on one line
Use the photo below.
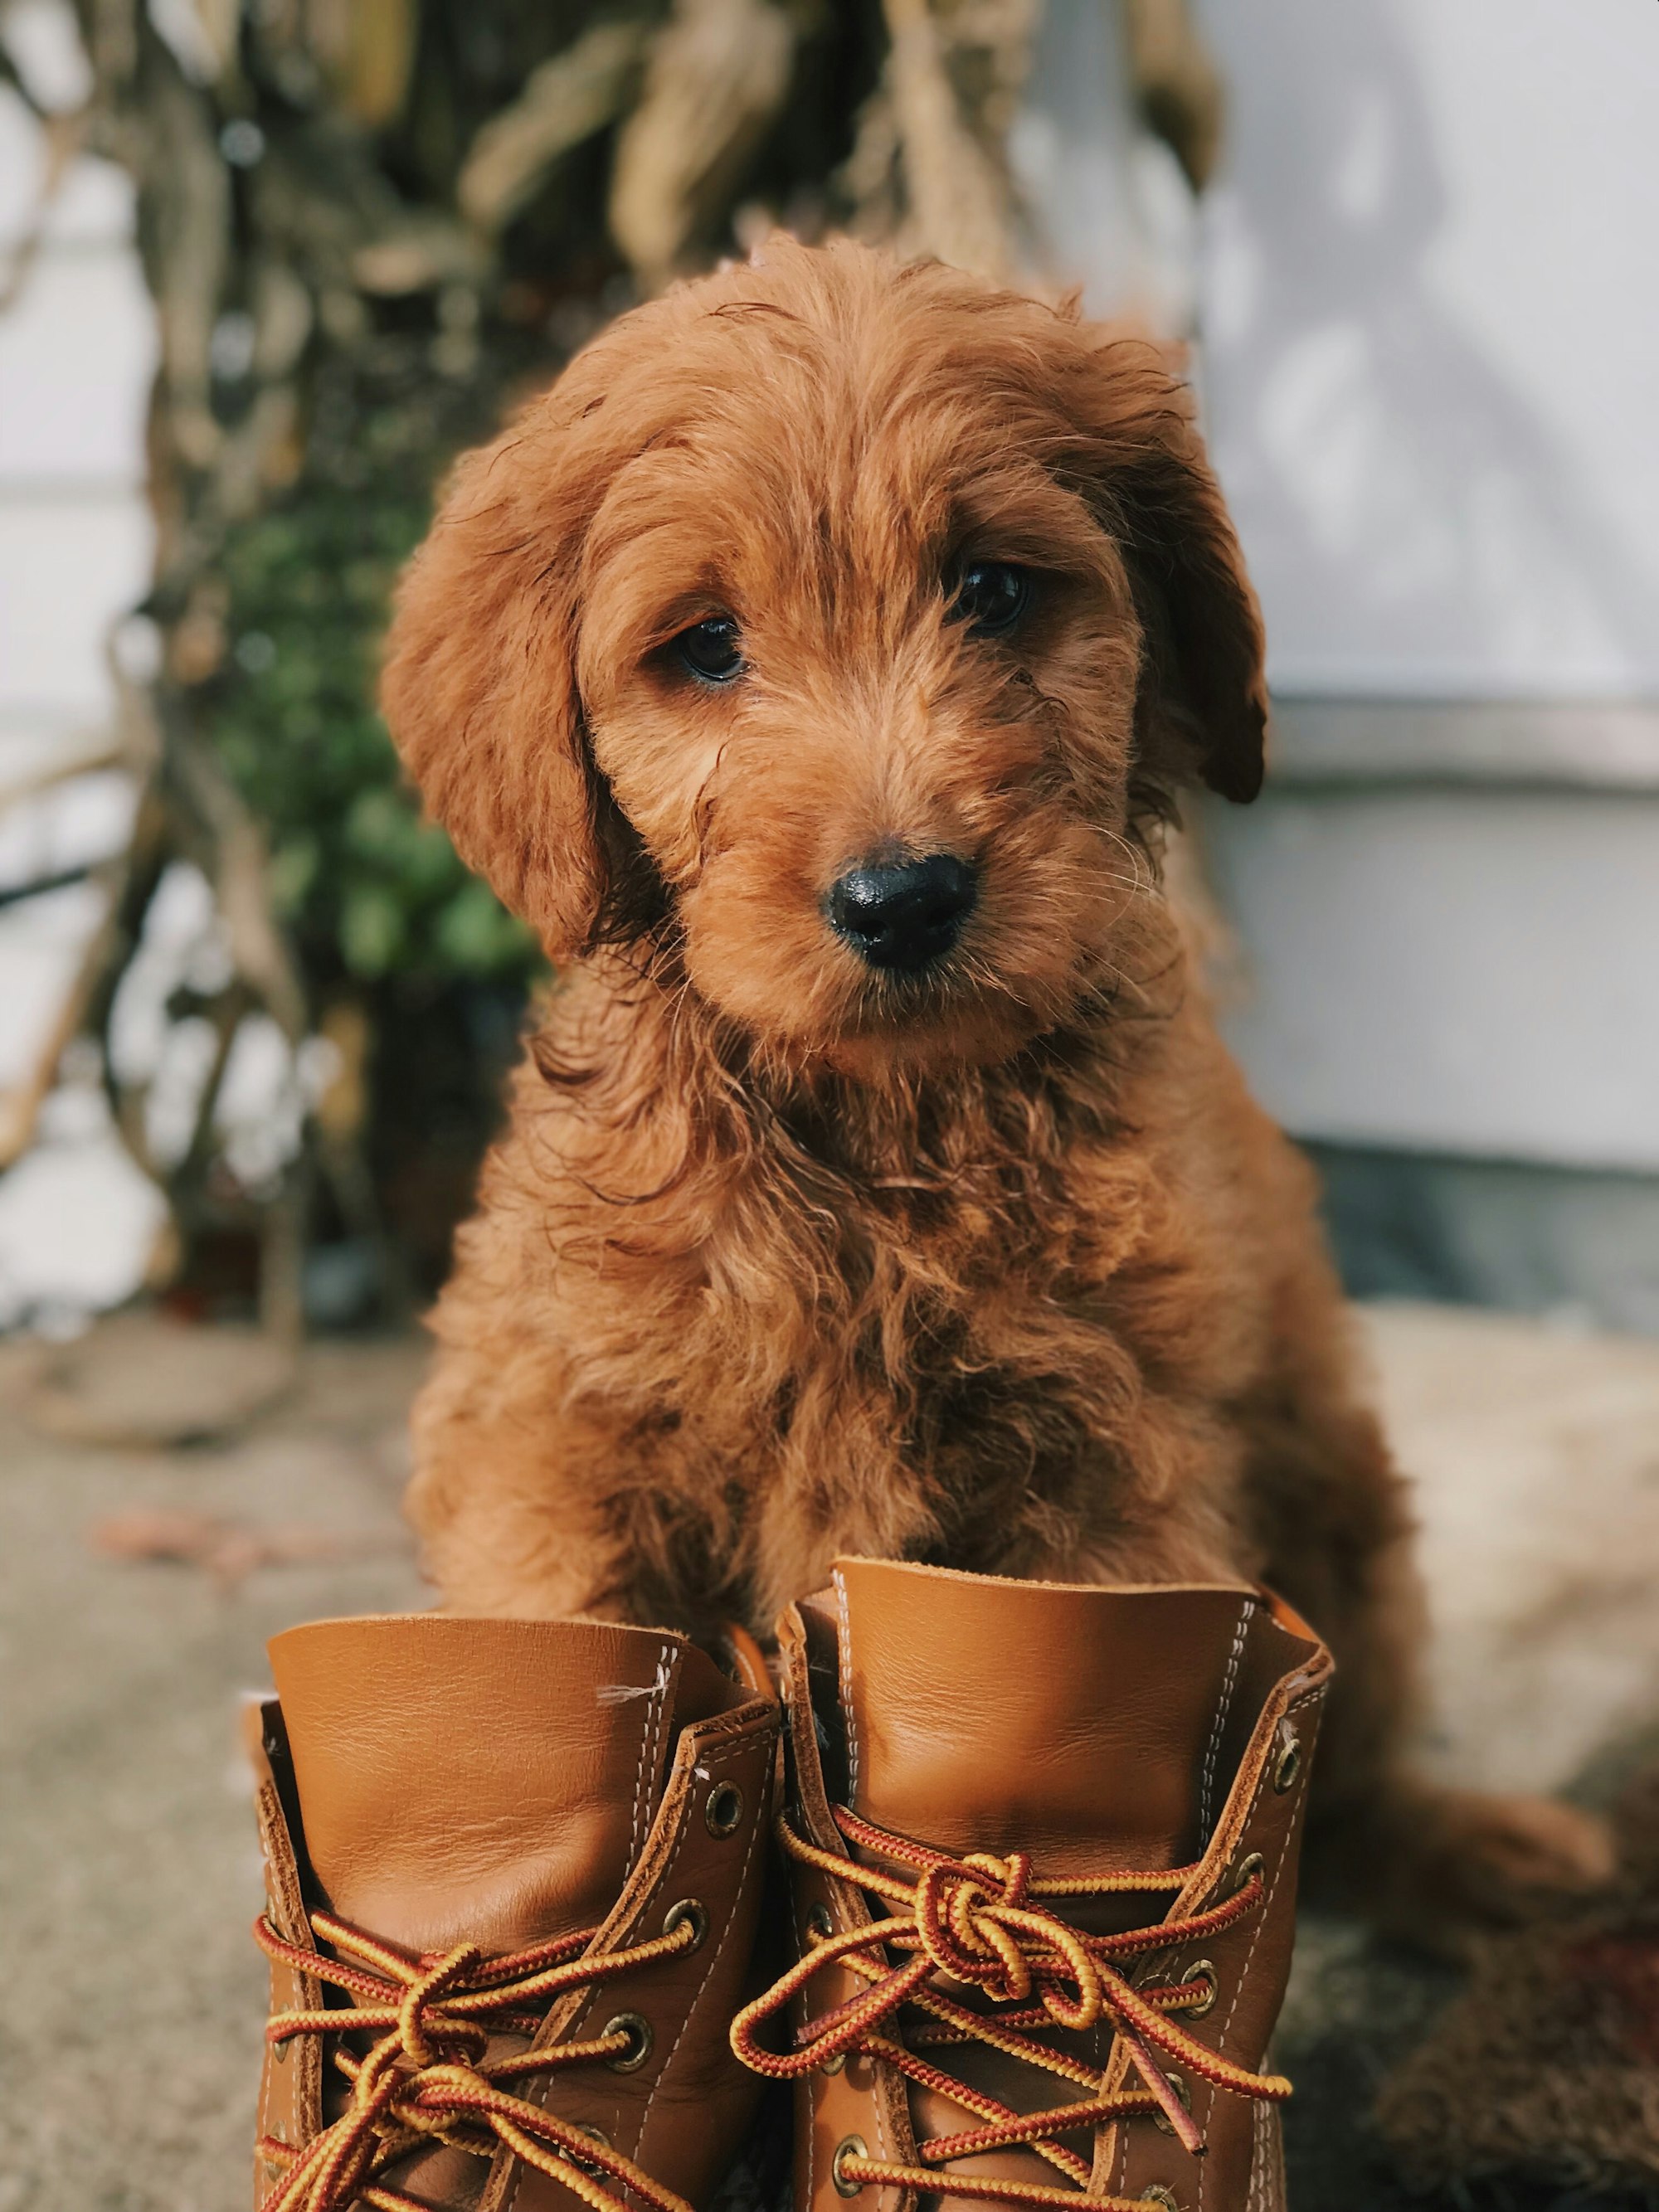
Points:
[(1082, 1725), (481, 1781)]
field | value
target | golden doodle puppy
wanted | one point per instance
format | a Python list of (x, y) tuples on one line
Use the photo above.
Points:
[(815, 668)]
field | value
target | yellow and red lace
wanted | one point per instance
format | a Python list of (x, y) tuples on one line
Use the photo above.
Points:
[(427, 2078), (980, 1924)]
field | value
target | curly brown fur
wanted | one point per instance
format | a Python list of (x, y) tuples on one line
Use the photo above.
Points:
[(783, 1255)]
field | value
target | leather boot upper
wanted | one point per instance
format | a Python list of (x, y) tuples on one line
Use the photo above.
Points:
[(554, 1827), (1079, 1810)]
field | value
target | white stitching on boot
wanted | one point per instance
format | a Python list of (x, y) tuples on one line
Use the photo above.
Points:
[(1267, 1902), (1207, 1786), (650, 1736), (850, 1717), (735, 1755)]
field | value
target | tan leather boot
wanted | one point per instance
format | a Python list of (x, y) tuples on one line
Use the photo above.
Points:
[(1044, 1842), (513, 1872)]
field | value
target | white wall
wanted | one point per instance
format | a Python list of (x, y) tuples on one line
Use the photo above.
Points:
[(1430, 316), (1426, 290), (1471, 970), (1430, 300), (77, 351)]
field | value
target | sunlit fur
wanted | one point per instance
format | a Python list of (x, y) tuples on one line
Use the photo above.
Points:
[(782, 1256)]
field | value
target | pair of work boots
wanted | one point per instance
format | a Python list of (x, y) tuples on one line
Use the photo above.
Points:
[(1037, 1862)]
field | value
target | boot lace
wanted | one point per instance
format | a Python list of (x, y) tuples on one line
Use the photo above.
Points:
[(980, 1922), (426, 2077)]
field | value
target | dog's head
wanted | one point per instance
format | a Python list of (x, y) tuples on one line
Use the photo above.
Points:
[(841, 626)]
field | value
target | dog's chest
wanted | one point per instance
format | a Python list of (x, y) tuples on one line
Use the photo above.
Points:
[(957, 1326)]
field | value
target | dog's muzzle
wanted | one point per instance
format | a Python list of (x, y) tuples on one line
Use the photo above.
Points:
[(903, 914)]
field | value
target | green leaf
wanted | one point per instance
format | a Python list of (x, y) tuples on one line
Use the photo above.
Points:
[(371, 930), (476, 934)]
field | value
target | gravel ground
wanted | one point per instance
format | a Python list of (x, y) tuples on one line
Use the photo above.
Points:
[(133, 1999)]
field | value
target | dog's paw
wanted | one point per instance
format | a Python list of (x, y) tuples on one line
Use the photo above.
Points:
[(1439, 1868)]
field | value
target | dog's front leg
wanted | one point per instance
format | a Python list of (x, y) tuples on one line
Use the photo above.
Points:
[(511, 1492)]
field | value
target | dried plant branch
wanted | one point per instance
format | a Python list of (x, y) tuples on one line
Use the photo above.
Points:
[(48, 777), (951, 85), (958, 208), (564, 102), (718, 75), (12, 75), (129, 883), (235, 859), (65, 136), (1178, 83), (225, 1014), (60, 879)]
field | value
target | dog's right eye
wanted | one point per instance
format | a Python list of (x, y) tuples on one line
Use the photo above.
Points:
[(712, 649), (991, 597)]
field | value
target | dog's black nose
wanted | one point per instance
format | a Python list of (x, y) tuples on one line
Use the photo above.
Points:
[(904, 914)]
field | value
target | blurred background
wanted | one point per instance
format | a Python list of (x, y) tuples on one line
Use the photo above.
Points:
[(265, 266)]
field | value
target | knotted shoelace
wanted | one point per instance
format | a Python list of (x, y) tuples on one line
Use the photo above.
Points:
[(980, 1922), (427, 2078)]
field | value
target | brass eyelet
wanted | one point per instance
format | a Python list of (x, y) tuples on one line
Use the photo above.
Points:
[(834, 2065), (1202, 1971), (819, 1926), (691, 1910), (1247, 1870), (640, 2038), (600, 2141), (1183, 2098), (848, 2147), (1157, 2194), (722, 1809), (1288, 1765), (279, 2052)]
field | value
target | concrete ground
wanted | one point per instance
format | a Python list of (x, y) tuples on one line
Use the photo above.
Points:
[(139, 1581)]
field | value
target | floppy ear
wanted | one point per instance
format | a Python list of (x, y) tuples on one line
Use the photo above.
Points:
[(1202, 714), (479, 686)]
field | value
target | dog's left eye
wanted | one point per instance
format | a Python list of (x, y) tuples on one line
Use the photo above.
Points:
[(712, 650), (991, 597)]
